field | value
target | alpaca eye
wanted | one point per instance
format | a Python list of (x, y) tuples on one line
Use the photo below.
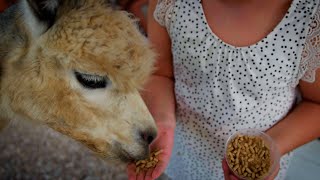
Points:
[(91, 81)]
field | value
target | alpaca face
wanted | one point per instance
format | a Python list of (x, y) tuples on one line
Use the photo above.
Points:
[(82, 77)]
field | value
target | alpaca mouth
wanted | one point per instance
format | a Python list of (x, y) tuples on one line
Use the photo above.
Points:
[(127, 157)]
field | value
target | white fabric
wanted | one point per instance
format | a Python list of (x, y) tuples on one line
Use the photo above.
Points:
[(310, 60), (221, 88), (163, 12)]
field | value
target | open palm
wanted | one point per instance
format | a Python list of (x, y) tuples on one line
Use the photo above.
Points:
[(164, 142)]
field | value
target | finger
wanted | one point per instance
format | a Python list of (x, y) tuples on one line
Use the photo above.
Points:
[(226, 171), (225, 168), (163, 158), (131, 171), (141, 175), (149, 174), (232, 177), (158, 170)]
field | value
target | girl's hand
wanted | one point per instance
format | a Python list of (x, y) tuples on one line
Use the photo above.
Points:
[(229, 176), (164, 141), (227, 172)]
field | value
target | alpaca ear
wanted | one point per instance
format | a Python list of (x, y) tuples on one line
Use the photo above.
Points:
[(44, 11)]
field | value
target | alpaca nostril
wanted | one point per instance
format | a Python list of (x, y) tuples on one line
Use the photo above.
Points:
[(149, 139), (148, 136)]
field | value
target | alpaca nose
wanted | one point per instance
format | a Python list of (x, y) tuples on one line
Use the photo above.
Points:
[(148, 136)]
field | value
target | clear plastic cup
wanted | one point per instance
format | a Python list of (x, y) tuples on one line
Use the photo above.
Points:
[(274, 153)]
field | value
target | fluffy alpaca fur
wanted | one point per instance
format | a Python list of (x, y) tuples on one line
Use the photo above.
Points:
[(45, 42)]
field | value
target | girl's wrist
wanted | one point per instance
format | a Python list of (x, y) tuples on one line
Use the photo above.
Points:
[(165, 120), (168, 124), (277, 140)]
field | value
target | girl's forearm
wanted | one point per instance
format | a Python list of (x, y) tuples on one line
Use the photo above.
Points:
[(159, 98), (301, 126)]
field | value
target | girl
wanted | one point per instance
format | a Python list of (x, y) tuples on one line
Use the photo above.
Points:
[(226, 65)]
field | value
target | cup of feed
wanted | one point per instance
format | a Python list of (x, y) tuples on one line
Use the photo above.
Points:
[(251, 154)]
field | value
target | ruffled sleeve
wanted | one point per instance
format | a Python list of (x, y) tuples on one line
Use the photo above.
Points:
[(163, 12), (310, 59)]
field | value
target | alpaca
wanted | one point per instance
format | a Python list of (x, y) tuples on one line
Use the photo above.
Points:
[(77, 66)]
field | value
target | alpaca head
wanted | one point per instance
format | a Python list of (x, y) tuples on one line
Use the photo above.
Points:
[(80, 72)]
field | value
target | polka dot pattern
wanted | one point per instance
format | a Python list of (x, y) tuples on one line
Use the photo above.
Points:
[(221, 88)]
